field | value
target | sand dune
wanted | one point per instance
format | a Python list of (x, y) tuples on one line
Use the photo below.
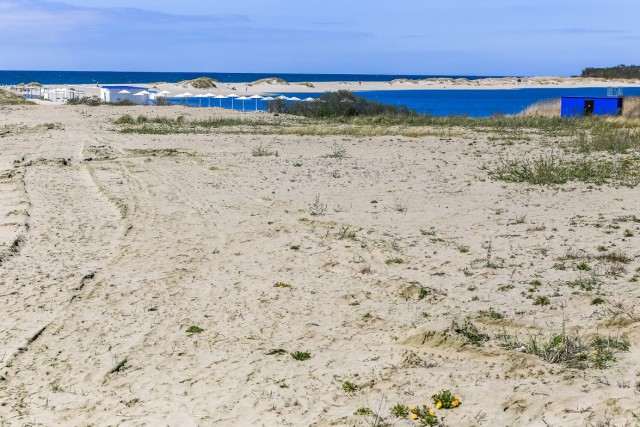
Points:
[(127, 241)]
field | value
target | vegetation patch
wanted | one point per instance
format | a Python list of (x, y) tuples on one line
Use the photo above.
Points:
[(269, 81), (550, 170), (199, 83), (470, 332), (301, 356), (10, 98), (572, 350)]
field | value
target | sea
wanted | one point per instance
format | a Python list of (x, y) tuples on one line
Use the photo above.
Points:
[(437, 102)]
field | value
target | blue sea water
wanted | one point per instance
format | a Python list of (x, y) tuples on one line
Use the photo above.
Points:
[(438, 102), (112, 77), (480, 102)]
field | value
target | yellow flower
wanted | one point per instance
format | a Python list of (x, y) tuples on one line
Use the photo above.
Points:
[(438, 405), (455, 403), (429, 407), (281, 286), (455, 397), (411, 407), (432, 413), (414, 416)]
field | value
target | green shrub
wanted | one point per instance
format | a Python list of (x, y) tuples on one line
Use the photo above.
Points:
[(342, 103)]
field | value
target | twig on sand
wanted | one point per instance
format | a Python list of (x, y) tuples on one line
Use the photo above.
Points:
[(118, 366)]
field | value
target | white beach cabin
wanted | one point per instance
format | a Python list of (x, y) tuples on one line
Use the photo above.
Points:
[(112, 94)]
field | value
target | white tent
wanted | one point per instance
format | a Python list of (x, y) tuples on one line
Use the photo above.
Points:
[(232, 95), (220, 97), (243, 98), (208, 95), (200, 96), (256, 97)]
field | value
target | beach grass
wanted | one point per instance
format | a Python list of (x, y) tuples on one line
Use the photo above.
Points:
[(553, 170), (8, 98), (199, 83)]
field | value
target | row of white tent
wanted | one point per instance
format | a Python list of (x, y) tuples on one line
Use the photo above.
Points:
[(211, 96), (233, 97)]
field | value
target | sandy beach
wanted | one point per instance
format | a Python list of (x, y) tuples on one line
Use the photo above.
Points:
[(168, 279), (263, 88)]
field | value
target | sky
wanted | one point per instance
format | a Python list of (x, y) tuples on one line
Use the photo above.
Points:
[(421, 37)]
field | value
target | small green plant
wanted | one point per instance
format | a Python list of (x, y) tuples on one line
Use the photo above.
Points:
[(470, 332), (602, 353), (628, 233), (445, 400), (463, 249), (125, 120), (491, 314), (295, 247), (505, 288), (337, 152), (194, 330), (275, 351), (317, 208), (400, 411), (542, 300), (587, 284), (396, 260), (301, 356), (55, 386), (571, 350), (583, 266), (349, 387), (363, 411), (281, 285), (597, 301), (615, 256), (423, 292), (262, 151)]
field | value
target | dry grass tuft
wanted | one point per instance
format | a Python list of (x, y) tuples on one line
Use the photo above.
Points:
[(8, 98), (199, 83), (546, 108), (631, 107), (270, 81)]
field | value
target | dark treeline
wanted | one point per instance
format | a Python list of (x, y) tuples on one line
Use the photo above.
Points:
[(342, 103), (617, 72)]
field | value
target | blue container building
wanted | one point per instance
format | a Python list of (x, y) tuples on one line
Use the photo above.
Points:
[(580, 106)]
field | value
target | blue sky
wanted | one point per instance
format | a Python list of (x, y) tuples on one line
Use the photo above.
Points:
[(462, 37)]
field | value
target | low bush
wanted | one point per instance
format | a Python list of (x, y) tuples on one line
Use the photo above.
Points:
[(342, 103), (91, 101)]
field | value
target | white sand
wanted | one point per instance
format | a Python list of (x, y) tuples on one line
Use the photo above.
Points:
[(249, 89), (125, 241)]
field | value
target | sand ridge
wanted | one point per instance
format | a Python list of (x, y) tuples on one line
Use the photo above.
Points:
[(266, 88)]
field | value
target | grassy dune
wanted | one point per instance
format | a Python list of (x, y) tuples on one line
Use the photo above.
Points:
[(8, 98)]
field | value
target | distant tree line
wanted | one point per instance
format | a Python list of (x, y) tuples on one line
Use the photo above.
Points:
[(617, 72)]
